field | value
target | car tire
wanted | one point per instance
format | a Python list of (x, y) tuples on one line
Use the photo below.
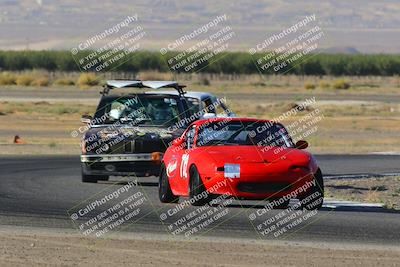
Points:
[(89, 178), (103, 177), (315, 204), (196, 188), (164, 189)]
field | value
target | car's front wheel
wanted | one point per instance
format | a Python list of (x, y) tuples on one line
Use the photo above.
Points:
[(197, 192), (164, 189), (103, 177), (89, 178), (86, 178), (314, 198)]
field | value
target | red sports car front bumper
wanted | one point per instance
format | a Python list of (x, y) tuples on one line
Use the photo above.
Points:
[(260, 182)]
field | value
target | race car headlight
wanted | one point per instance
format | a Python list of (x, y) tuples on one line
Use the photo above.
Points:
[(232, 170), (83, 146), (165, 135), (156, 156), (313, 163)]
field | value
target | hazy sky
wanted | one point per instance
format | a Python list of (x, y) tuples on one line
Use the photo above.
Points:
[(366, 25)]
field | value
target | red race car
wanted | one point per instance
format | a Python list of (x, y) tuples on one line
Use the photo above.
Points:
[(242, 158)]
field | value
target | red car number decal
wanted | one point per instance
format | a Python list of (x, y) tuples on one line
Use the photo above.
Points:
[(184, 165)]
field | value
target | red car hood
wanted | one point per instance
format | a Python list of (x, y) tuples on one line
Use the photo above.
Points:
[(256, 154)]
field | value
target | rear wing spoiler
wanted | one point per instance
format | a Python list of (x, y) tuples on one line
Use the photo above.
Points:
[(112, 84)]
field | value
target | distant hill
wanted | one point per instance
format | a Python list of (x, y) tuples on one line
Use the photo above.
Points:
[(368, 26)]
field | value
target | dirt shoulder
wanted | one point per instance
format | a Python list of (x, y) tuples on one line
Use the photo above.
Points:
[(384, 190), (33, 247)]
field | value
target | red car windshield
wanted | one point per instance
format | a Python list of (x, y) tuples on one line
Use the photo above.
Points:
[(243, 133)]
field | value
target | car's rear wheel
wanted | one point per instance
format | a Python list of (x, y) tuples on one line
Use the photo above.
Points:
[(314, 197), (164, 189), (197, 192)]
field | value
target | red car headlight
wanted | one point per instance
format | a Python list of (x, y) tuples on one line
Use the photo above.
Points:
[(303, 168)]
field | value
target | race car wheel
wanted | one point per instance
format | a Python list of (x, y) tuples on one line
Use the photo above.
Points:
[(103, 177), (164, 189), (197, 192), (315, 194), (89, 178)]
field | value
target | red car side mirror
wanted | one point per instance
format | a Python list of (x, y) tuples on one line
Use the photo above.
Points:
[(301, 144), (177, 141)]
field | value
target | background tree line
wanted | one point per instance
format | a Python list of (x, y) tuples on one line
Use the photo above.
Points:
[(226, 62)]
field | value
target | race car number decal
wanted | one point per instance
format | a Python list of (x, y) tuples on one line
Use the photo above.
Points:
[(184, 165)]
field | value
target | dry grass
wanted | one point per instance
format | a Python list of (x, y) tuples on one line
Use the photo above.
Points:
[(309, 86), (7, 78), (28, 78), (42, 81), (43, 133), (155, 76), (260, 108), (64, 82), (44, 108), (373, 190), (220, 83), (324, 85), (24, 80), (341, 84), (353, 127), (86, 80)]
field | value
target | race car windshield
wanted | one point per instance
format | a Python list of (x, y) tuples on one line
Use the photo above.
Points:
[(244, 133), (143, 110)]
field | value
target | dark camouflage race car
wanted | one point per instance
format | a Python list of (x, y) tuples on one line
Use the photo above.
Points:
[(131, 128)]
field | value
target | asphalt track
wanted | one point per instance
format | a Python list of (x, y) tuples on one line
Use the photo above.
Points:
[(43, 191)]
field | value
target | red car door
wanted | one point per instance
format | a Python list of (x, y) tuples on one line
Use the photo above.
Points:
[(179, 179)]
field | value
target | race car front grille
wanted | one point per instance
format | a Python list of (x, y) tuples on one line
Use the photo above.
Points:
[(145, 146), (128, 167), (148, 146), (137, 146), (259, 188)]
